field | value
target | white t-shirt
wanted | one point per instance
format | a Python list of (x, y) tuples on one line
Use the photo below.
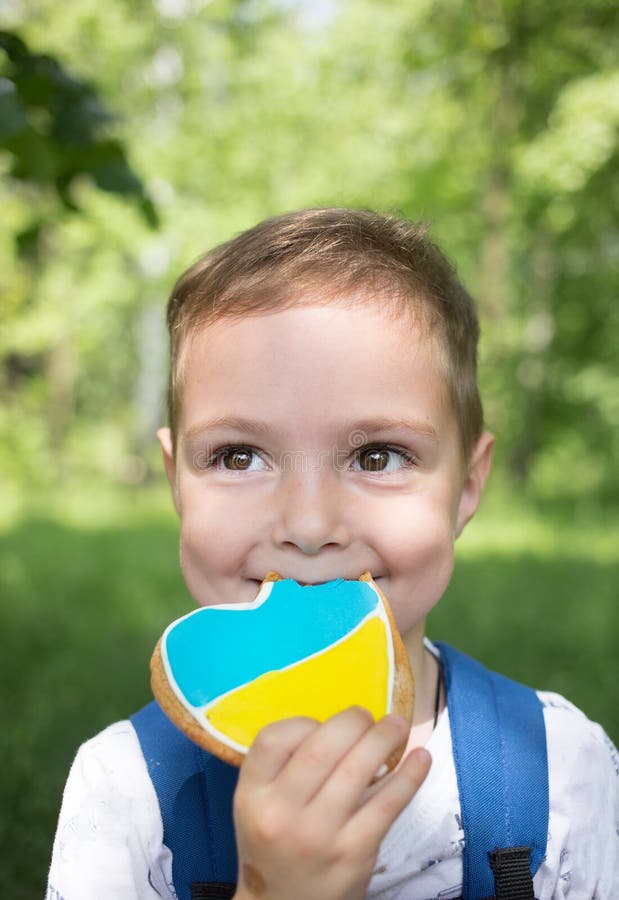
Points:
[(109, 842)]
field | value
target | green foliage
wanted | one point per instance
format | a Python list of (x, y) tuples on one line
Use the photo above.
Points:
[(54, 128), (497, 123), (71, 629)]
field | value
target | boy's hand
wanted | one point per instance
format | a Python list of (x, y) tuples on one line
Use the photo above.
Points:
[(308, 825)]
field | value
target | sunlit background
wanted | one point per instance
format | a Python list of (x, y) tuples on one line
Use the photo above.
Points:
[(135, 134)]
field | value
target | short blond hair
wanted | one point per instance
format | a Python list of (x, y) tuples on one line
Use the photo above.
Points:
[(327, 253)]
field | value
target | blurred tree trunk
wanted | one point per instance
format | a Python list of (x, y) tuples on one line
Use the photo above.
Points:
[(495, 250), (497, 204), (539, 330), (60, 372)]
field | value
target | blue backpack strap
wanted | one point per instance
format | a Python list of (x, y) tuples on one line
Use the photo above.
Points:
[(195, 792), (499, 746)]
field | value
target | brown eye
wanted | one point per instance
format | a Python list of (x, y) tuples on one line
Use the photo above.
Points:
[(374, 460), (237, 460), (384, 460)]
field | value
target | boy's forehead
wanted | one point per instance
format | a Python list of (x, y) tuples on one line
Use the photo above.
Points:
[(353, 331), (346, 315), (326, 357)]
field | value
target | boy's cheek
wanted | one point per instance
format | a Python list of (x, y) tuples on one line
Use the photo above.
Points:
[(200, 584), (211, 561)]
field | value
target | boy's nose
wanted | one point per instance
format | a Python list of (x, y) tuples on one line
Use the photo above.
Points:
[(311, 514)]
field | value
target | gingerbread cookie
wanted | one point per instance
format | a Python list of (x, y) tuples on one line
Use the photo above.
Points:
[(223, 672)]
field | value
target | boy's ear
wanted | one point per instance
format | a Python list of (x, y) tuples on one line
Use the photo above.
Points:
[(164, 436), (475, 480)]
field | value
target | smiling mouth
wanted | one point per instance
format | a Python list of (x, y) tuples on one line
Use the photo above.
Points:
[(312, 583), (301, 583)]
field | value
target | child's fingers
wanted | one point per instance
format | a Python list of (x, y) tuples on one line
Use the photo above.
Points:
[(373, 820), (328, 843), (321, 752), (272, 749), (345, 788)]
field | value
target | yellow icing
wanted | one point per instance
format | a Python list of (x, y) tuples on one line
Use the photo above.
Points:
[(354, 671)]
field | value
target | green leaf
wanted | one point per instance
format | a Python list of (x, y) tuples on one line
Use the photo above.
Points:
[(28, 241), (34, 157), (12, 118), (107, 164), (13, 45)]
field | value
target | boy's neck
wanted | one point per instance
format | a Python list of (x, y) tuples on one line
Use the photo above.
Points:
[(427, 687)]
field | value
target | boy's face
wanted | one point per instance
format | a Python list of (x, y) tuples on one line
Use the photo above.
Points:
[(342, 455)]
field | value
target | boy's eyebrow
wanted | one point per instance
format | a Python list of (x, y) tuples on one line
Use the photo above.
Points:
[(234, 423), (386, 423), (355, 429)]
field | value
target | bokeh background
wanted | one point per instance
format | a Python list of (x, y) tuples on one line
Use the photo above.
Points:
[(135, 134)]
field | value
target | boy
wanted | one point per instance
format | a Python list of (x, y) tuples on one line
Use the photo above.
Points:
[(324, 420)]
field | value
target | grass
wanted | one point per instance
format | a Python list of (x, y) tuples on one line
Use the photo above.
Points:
[(86, 588)]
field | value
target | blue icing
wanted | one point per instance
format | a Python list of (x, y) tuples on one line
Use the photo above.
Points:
[(215, 650)]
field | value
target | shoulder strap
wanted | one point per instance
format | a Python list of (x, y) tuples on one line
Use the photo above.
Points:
[(499, 746), (195, 792)]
